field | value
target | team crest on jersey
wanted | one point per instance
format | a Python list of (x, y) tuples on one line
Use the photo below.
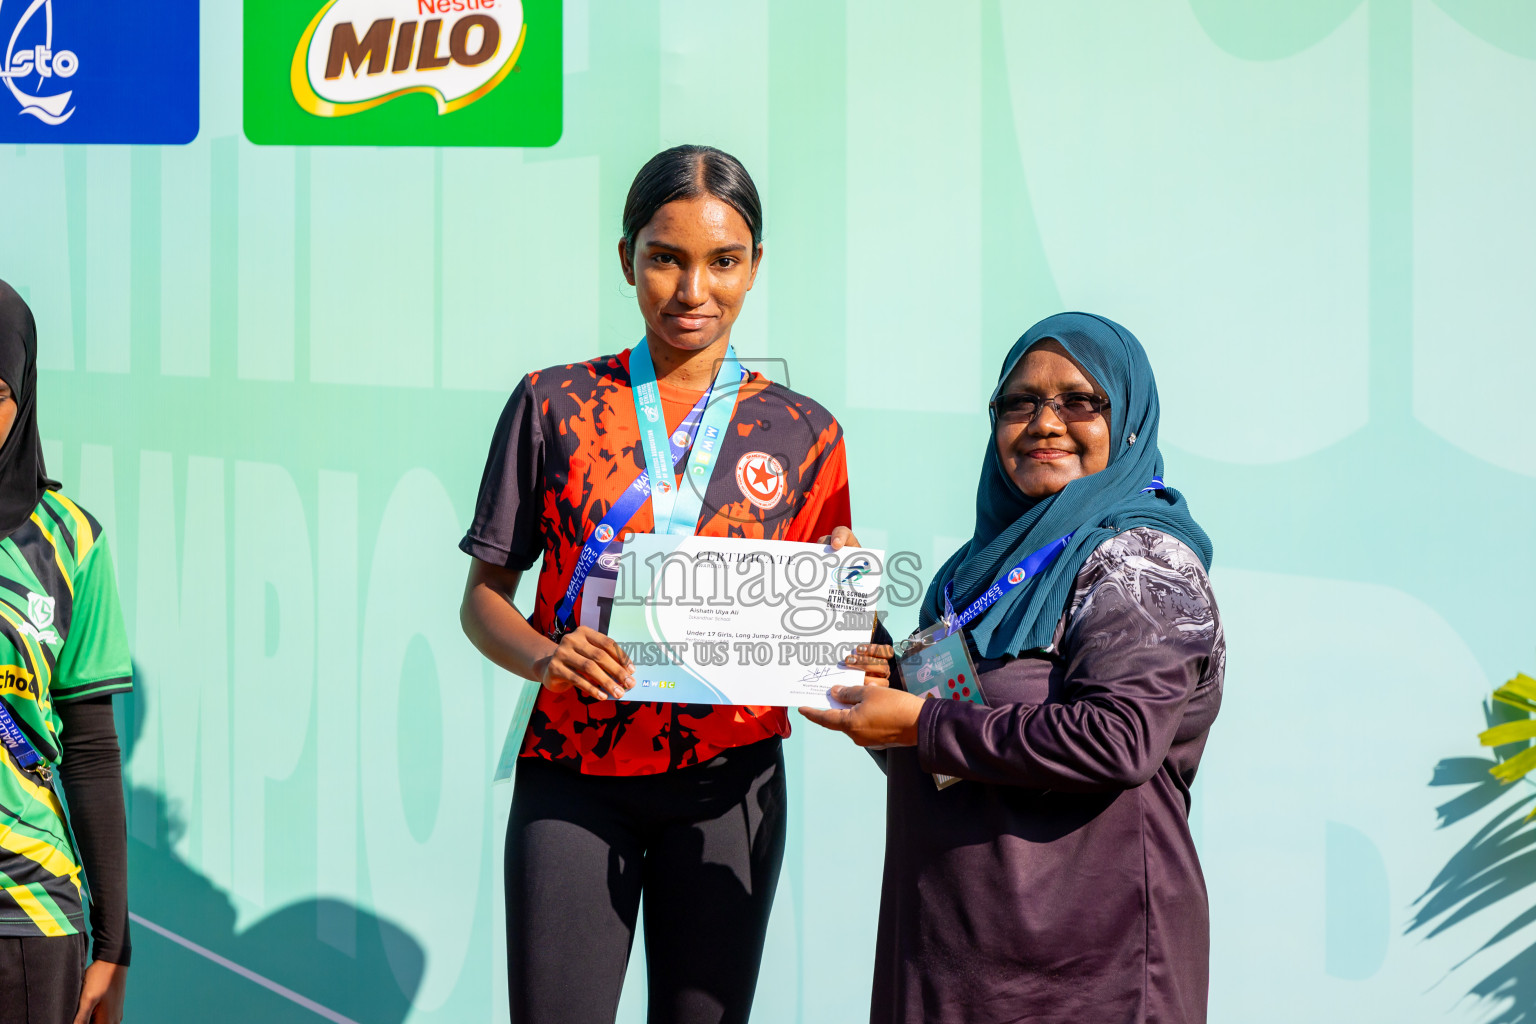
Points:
[(1016, 577), (761, 479), (40, 612)]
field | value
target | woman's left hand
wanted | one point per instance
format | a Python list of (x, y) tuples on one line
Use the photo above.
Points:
[(102, 994), (880, 717)]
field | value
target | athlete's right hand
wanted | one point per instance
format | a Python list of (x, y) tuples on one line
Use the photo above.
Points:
[(588, 661), (840, 538)]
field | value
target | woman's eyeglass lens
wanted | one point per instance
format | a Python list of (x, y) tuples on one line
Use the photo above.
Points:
[(1073, 407)]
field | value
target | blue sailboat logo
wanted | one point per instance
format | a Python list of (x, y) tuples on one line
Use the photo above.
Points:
[(37, 60)]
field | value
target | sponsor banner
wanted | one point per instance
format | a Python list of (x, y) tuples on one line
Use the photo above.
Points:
[(83, 71), (403, 72)]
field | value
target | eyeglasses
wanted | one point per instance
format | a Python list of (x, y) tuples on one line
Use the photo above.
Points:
[(1071, 407)]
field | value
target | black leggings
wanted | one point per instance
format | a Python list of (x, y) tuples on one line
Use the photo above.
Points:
[(704, 845)]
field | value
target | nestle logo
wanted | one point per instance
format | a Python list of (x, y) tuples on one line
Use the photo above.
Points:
[(453, 6)]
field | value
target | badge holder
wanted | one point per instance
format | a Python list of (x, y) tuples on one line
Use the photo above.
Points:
[(944, 666)]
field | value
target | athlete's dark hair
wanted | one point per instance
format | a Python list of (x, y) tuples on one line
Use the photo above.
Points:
[(688, 172)]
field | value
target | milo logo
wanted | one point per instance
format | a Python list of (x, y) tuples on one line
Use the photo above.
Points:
[(401, 72), (359, 54)]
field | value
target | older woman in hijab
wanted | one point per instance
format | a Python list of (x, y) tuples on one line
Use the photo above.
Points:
[(63, 654), (1057, 881)]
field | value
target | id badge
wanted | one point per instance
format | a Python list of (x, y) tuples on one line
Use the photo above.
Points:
[(602, 583), (943, 670), (946, 665)]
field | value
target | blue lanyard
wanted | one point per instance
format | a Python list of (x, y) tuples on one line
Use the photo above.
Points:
[(675, 512), (1029, 566), (17, 743)]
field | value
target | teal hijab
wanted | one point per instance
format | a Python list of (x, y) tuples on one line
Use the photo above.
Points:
[(1094, 508)]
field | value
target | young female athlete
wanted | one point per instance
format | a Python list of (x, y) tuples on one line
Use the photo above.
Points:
[(613, 799), (63, 653)]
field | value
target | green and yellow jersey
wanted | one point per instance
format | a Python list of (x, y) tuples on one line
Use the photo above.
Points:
[(61, 639)]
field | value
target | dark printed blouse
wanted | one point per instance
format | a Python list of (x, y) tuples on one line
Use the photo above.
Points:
[(1058, 882)]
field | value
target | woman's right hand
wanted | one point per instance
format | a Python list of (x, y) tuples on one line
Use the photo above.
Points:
[(588, 661)]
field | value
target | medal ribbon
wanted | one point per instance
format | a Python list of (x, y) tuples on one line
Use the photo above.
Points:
[(675, 509)]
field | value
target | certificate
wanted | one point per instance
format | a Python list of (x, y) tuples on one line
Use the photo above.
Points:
[(718, 620)]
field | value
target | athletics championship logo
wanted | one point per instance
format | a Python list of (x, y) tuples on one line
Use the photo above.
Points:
[(403, 72), (855, 572), (1016, 577), (34, 71), (645, 398)]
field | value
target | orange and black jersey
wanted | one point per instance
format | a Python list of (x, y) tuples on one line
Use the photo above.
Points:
[(566, 447)]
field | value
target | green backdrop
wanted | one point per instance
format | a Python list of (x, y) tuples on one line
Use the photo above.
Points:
[(1317, 216)]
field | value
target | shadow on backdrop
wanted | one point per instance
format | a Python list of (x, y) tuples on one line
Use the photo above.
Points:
[(1496, 864), (223, 979)]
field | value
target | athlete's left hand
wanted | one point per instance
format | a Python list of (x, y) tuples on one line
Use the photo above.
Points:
[(102, 994), (880, 716)]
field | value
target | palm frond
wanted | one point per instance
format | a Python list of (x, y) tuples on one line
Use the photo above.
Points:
[(1519, 692), (1516, 768), (1509, 732)]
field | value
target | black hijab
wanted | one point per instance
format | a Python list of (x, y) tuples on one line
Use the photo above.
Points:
[(22, 476)]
